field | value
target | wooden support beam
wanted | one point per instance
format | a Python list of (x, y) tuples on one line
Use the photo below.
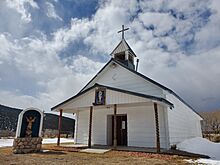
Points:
[(59, 127), (90, 127), (76, 126), (115, 127), (157, 127), (73, 127)]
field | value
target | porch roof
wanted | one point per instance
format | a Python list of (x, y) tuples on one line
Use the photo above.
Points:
[(113, 96)]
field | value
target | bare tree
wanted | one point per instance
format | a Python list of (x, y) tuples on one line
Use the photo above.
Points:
[(215, 125)]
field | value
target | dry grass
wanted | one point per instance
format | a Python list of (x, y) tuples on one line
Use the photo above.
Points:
[(67, 157)]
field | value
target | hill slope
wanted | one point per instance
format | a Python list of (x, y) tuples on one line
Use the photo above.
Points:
[(215, 114), (9, 119)]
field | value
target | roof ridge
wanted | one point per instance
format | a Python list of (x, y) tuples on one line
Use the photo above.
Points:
[(130, 48), (126, 44), (116, 47)]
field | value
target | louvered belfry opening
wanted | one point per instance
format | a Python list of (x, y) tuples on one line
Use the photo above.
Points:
[(123, 52)]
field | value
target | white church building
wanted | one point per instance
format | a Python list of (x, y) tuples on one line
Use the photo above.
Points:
[(122, 107)]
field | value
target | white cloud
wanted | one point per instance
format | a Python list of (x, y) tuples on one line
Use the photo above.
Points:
[(47, 75), (106, 22), (49, 79), (19, 6), (195, 78), (163, 22), (5, 47), (62, 37), (51, 12), (43, 79), (84, 65), (209, 35)]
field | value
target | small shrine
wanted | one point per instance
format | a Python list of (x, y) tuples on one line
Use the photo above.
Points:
[(28, 135)]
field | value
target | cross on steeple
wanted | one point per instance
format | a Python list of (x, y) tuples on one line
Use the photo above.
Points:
[(122, 31)]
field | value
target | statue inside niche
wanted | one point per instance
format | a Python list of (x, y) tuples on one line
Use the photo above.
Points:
[(30, 121)]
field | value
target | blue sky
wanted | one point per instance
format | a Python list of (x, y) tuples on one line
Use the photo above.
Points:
[(51, 48)]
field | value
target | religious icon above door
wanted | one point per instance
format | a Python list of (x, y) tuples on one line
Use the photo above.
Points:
[(100, 96)]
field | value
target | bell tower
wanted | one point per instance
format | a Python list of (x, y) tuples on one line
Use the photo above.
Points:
[(123, 53)]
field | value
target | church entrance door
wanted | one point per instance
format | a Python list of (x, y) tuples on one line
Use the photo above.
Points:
[(121, 130)]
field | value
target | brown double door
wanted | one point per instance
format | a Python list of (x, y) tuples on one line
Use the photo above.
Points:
[(121, 128)]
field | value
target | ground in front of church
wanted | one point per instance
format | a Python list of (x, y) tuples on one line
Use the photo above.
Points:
[(50, 156)]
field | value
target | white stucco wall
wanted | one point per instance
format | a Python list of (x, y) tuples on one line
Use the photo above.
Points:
[(140, 126), (183, 122)]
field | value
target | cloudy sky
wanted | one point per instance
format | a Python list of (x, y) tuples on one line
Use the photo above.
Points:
[(49, 49)]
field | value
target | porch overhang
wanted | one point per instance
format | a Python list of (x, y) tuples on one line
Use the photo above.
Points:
[(86, 98)]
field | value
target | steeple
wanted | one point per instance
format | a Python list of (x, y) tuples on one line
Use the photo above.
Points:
[(123, 52)]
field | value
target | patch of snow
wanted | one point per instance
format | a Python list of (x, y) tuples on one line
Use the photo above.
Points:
[(202, 146), (204, 161), (9, 142), (6, 142), (54, 140)]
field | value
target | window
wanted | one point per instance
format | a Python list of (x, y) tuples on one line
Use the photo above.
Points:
[(131, 59), (120, 56)]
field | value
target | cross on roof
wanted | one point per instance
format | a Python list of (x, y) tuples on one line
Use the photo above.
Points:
[(122, 31)]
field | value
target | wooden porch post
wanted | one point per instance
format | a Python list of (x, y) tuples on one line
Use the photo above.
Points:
[(157, 128), (115, 127), (59, 127), (73, 127), (90, 127), (76, 127)]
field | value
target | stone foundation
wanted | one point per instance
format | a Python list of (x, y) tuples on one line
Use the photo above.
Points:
[(27, 145)]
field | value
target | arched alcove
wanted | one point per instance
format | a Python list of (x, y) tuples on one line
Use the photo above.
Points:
[(24, 116)]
